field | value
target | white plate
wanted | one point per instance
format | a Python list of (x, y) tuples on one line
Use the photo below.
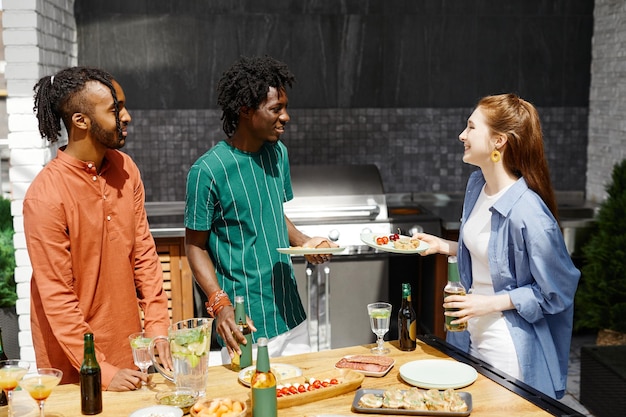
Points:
[(158, 410), (438, 374), (310, 251), (281, 371), (370, 240)]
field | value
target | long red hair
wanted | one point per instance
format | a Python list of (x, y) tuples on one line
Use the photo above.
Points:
[(518, 120)]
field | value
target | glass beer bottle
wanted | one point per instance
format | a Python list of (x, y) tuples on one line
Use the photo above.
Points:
[(90, 380), (240, 362), (263, 383), (453, 287), (407, 321)]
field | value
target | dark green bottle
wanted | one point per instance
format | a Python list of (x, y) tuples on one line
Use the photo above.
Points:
[(90, 380), (263, 383), (3, 357), (407, 321)]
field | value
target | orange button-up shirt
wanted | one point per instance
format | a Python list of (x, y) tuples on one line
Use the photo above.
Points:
[(94, 262)]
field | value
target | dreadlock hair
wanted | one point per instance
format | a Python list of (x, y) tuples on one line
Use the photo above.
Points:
[(59, 96), (246, 84), (518, 120)]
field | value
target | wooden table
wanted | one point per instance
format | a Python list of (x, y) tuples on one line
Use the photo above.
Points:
[(489, 398)]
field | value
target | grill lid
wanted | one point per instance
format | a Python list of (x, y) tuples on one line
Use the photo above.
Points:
[(327, 180), (336, 193)]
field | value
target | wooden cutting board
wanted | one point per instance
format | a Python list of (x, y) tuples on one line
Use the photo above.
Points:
[(349, 380)]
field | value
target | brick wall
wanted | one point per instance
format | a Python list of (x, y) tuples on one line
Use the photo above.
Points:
[(39, 39), (607, 96)]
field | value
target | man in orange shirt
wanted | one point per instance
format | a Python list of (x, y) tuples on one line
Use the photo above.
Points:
[(93, 257)]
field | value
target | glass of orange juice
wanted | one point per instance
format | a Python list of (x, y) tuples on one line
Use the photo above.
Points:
[(40, 384), (11, 372)]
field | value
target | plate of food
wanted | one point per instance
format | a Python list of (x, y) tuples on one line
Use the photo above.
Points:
[(413, 402), (308, 388), (299, 250), (368, 365), (394, 242), (281, 371), (438, 374)]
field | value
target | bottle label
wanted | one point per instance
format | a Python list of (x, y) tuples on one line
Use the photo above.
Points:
[(413, 331), (454, 327), (448, 319), (264, 402), (246, 352), (408, 335), (235, 362)]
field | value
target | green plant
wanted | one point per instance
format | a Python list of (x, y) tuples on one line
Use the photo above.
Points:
[(8, 296), (601, 297)]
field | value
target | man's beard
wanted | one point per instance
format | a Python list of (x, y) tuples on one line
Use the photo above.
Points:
[(110, 139)]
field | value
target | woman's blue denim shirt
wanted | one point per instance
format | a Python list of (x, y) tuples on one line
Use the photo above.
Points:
[(529, 261)]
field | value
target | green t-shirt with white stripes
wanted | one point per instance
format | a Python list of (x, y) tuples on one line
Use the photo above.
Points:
[(238, 197)]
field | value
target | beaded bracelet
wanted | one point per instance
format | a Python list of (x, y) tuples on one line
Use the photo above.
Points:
[(217, 301)]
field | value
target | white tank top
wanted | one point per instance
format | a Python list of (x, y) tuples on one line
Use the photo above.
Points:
[(490, 337)]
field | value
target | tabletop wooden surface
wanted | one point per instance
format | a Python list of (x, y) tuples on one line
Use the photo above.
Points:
[(489, 398)]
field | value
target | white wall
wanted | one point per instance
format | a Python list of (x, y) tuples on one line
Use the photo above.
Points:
[(39, 38), (607, 96)]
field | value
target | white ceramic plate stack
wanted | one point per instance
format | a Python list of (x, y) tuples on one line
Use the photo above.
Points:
[(438, 374)]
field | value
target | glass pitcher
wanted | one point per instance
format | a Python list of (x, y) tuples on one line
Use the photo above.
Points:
[(190, 344)]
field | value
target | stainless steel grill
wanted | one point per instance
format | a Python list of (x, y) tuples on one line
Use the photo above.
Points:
[(340, 203)]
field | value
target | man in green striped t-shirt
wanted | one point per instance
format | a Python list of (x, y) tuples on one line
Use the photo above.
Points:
[(234, 218)]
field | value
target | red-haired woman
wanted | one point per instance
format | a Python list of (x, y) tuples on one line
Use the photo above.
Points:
[(511, 252)]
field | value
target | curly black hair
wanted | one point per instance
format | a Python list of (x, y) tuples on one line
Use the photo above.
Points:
[(246, 84), (59, 96)]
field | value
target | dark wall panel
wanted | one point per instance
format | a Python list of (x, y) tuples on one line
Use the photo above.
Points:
[(385, 82), (345, 54)]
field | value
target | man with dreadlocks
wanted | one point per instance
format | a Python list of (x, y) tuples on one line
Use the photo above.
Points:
[(93, 257), (234, 216)]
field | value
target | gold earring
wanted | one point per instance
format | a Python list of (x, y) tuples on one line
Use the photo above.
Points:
[(495, 156)]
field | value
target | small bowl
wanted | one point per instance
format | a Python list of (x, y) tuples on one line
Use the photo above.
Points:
[(182, 398), (206, 401)]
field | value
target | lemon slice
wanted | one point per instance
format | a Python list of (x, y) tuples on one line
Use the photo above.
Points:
[(380, 313), (140, 342), (199, 348)]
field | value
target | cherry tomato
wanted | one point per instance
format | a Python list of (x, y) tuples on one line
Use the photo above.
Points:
[(325, 383), (279, 394), (317, 384), (293, 390), (380, 241), (285, 391), (310, 388), (334, 381), (301, 388), (394, 237)]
